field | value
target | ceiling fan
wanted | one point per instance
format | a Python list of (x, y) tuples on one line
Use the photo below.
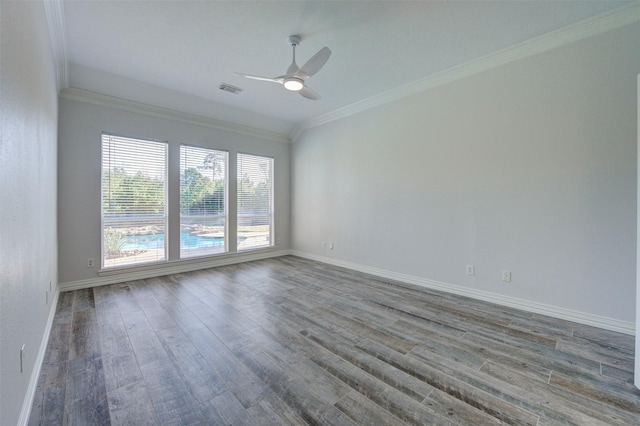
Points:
[(296, 77)]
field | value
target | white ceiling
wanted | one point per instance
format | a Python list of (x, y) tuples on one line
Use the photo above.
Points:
[(378, 46)]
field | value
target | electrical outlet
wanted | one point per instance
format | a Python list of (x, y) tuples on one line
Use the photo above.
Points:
[(506, 276), (471, 270), (90, 262)]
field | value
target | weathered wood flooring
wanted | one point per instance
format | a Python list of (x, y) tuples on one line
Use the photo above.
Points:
[(292, 341)]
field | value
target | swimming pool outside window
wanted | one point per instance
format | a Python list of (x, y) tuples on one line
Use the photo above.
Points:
[(203, 201), (134, 201)]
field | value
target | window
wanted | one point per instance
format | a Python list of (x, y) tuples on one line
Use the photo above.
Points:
[(255, 202), (135, 226), (203, 206), (134, 207)]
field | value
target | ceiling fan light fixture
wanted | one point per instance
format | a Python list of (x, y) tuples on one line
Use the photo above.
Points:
[(293, 83)]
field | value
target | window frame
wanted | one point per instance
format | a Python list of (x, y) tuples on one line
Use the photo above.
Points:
[(248, 215), (164, 219), (225, 214), (271, 210)]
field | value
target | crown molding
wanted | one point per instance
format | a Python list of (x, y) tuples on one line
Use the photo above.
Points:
[(154, 111), (581, 30), (58, 38)]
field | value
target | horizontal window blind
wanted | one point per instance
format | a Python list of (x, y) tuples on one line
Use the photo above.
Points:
[(203, 205), (255, 201), (134, 207)]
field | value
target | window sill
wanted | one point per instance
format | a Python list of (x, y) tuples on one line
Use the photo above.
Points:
[(178, 265)]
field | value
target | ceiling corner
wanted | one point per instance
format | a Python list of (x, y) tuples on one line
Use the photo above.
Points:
[(58, 38)]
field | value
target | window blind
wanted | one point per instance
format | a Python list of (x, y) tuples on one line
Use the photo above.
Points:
[(255, 201), (134, 207), (203, 205)]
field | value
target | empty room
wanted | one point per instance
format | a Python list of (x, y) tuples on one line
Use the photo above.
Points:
[(439, 227)]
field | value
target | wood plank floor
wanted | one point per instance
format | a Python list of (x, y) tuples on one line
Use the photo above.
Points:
[(291, 341)]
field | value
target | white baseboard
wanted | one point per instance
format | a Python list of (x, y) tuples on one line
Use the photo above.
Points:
[(132, 274), (512, 302), (25, 412), (534, 307)]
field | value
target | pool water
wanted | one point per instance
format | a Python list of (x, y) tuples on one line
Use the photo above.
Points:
[(194, 241), (156, 241)]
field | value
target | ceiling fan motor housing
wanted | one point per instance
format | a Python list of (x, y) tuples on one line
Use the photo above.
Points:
[(294, 40)]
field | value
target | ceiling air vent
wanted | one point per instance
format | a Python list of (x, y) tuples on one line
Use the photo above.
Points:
[(229, 88)]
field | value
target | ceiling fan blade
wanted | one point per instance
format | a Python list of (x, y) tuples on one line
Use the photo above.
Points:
[(278, 80), (293, 68), (309, 94), (314, 64)]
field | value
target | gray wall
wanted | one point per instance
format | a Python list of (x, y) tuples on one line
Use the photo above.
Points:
[(528, 167), (81, 125), (28, 262)]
